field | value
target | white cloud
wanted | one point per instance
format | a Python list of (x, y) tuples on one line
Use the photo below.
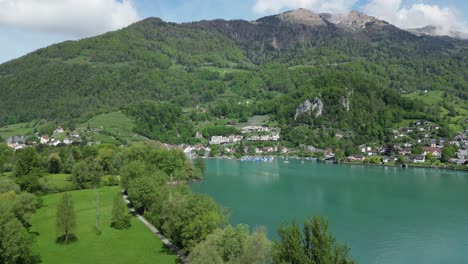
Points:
[(275, 6), (446, 19), (81, 18)]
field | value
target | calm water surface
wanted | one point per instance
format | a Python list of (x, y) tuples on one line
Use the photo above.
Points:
[(386, 215)]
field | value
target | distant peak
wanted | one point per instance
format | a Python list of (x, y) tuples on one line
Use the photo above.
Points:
[(302, 16), (352, 19)]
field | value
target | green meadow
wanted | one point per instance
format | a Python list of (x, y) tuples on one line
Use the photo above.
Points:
[(135, 245), (436, 98), (114, 128)]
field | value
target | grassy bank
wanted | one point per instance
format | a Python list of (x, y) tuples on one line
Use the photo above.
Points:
[(135, 245)]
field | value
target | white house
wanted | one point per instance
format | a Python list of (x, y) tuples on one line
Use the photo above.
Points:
[(419, 159), (59, 129), (44, 139)]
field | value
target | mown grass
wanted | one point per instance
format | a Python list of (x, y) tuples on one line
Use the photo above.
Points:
[(135, 245), (57, 182)]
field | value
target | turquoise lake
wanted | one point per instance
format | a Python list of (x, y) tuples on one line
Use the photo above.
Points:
[(386, 215)]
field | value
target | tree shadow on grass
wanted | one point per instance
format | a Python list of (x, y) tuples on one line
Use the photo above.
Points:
[(62, 240), (167, 251)]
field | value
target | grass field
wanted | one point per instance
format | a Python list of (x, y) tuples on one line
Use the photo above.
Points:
[(433, 98), (257, 120), (112, 125), (135, 245), (57, 182), (23, 128)]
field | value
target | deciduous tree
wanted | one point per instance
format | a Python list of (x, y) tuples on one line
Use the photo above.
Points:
[(66, 219), (120, 215)]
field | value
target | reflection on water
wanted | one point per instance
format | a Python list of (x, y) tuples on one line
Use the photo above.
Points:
[(387, 215)]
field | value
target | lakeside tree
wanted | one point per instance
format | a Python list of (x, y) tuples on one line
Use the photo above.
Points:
[(187, 218), (233, 245), (447, 153), (314, 245), (199, 164), (66, 219), (120, 215)]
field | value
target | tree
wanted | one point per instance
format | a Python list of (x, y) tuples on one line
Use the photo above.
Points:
[(417, 150), (5, 154), (7, 185), (233, 245), (54, 163), (430, 157), (69, 163), (120, 216), (16, 244), (448, 153), (313, 245), (27, 160), (25, 206), (65, 219), (339, 155), (402, 159), (187, 219), (257, 248), (200, 165), (87, 173)]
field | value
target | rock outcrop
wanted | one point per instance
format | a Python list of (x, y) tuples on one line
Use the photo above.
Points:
[(308, 107), (346, 103)]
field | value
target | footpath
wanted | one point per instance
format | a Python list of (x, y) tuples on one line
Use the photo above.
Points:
[(155, 231)]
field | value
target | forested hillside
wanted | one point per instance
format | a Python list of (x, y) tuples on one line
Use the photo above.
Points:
[(237, 69)]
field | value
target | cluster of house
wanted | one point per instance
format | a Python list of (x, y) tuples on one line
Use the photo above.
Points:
[(251, 133), (431, 146), (261, 133), (21, 141), (231, 139), (422, 128)]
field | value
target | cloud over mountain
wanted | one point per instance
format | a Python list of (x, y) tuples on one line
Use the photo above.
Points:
[(81, 18), (445, 19)]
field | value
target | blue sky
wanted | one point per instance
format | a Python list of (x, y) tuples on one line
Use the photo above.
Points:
[(39, 23)]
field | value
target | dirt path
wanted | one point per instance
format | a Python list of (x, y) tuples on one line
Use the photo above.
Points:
[(153, 229)]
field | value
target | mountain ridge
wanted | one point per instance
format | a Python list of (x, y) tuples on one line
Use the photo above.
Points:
[(275, 62)]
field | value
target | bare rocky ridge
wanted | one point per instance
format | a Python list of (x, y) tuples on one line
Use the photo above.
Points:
[(302, 16), (353, 19)]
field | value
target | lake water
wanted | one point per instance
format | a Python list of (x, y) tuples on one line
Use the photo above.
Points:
[(386, 215)]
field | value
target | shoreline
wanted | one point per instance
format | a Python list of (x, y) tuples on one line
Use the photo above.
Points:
[(409, 165)]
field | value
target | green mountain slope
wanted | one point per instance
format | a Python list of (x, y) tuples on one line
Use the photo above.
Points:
[(275, 63)]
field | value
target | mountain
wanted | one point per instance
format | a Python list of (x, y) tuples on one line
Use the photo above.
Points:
[(276, 62)]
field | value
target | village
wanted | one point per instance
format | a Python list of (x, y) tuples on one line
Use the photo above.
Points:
[(415, 145)]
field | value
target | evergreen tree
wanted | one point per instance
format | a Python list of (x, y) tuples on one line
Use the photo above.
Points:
[(66, 219), (120, 216)]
